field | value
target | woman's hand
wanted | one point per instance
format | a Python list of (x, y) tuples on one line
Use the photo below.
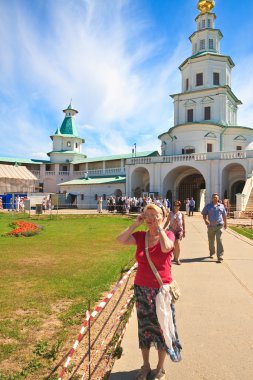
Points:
[(139, 220), (159, 222)]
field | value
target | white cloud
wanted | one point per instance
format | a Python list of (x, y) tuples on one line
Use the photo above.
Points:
[(95, 62), (97, 53), (243, 84)]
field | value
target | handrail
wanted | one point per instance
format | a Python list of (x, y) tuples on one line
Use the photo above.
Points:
[(190, 157), (247, 191)]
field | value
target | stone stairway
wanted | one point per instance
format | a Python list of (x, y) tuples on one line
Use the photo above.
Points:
[(249, 206)]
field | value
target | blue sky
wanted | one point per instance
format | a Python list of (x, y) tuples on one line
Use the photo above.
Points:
[(118, 62)]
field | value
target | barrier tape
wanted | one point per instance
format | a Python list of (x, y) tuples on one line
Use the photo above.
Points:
[(122, 311), (116, 345), (92, 316)]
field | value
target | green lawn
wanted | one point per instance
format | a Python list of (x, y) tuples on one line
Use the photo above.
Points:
[(245, 231), (55, 273)]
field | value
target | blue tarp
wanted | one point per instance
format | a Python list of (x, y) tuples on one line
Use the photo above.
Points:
[(8, 200)]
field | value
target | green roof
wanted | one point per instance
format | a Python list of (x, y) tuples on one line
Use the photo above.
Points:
[(95, 181), (118, 157), (67, 151), (68, 127), (208, 52), (206, 123), (205, 29), (23, 160), (226, 87)]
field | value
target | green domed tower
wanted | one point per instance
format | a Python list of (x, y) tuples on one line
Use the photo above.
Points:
[(67, 144)]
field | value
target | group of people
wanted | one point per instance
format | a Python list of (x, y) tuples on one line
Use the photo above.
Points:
[(189, 206), (160, 242), (122, 204), (18, 204)]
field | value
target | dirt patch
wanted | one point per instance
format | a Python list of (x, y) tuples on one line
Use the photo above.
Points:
[(104, 333), (105, 328)]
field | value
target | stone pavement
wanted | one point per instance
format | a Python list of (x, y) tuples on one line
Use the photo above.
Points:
[(214, 314)]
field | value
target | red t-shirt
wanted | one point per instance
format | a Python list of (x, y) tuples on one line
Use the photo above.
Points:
[(162, 261)]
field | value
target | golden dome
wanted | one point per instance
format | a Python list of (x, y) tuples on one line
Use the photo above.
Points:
[(205, 5)]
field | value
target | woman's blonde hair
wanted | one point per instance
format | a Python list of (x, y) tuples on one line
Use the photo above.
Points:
[(158, 209)]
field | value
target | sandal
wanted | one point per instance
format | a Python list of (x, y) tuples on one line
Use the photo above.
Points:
[(159, 374), (143, 373)]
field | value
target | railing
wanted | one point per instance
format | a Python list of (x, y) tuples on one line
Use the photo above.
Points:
[(82, 173), (50, 173), (63, 172), (190, 157), (152, 160), (242, 199), (98, 172), (36, 173)]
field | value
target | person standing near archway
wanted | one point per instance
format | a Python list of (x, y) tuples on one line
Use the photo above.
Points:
[(176, 224), (191, 206), (215, 217)]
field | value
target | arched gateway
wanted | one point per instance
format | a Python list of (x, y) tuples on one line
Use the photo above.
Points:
[(140, 182), (233, 181), (185, 182)]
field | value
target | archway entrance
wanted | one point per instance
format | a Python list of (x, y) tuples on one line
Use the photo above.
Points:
[(189, 187), (185, 182), (233, 181), (140, 182), (236, 188)]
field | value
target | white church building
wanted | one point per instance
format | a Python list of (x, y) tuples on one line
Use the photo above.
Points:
[(205, 151)]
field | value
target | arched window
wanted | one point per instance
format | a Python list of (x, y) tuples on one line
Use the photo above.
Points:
[(188, 150)]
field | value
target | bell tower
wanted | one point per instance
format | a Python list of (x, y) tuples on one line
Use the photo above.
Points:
[(67, 145), (206, 76)]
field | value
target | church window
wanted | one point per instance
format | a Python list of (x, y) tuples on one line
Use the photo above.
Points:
[(216, 79), (199, 79), (76, 145), (238, 147), (207, 112), (203, 24), (82, 197), (188, 150), (202, 44), (209, 147), (187, 84), (211, 43), (195, 47), (69, 144), (209, 23), (190, 115)]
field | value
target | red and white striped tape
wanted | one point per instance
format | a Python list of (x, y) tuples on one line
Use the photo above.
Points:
[(91, 316), (121, 312)]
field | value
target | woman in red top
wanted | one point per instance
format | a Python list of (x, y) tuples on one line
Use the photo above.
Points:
[(146, 286)]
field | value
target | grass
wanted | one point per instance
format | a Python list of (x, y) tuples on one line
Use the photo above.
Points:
[(51, 277), (245, 231)]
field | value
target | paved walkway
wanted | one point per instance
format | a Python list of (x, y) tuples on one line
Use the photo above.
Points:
[(214, 315)]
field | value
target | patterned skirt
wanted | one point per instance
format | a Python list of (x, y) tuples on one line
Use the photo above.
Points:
[(149, 330)]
